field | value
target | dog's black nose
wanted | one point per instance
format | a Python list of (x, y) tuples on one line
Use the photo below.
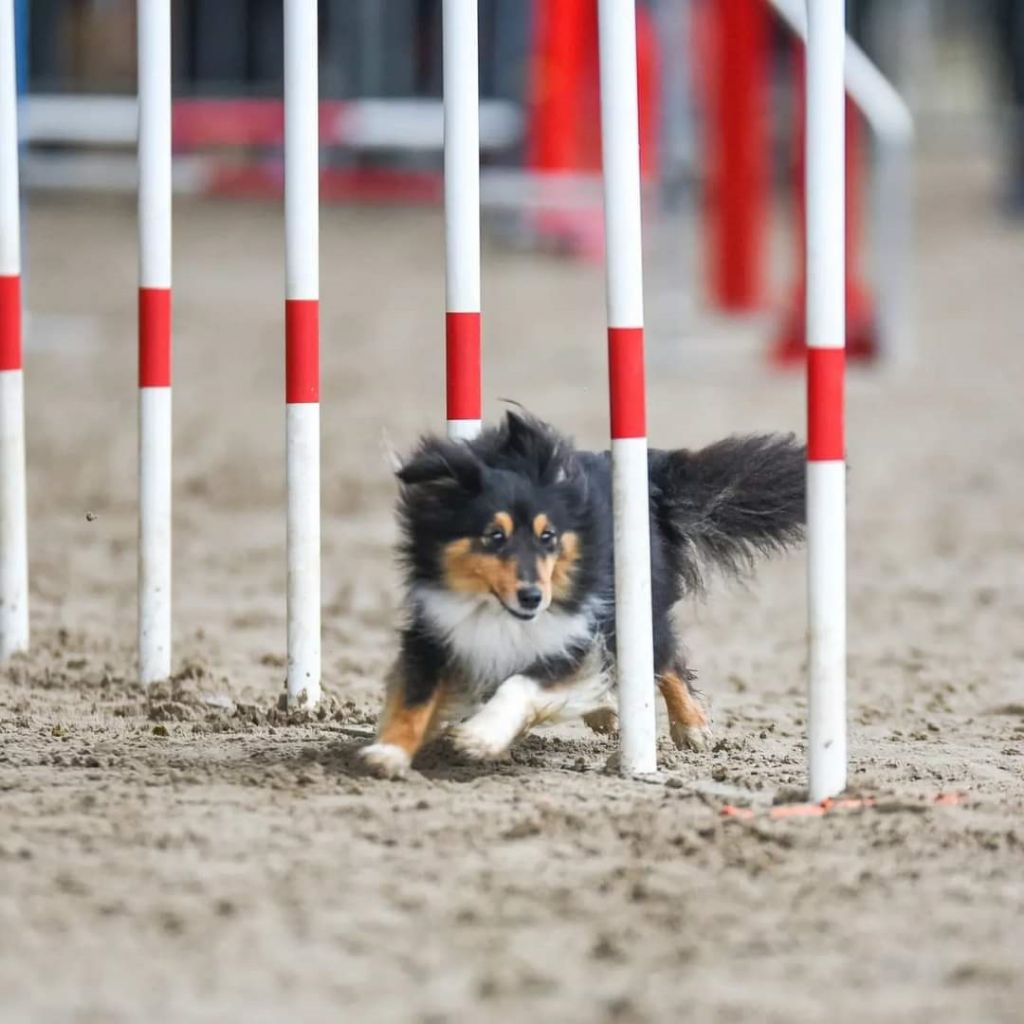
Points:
[(530, 597)]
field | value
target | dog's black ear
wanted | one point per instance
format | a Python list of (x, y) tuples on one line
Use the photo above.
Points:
[(435, 462), (549, 454), (521, 429), (527, 436)]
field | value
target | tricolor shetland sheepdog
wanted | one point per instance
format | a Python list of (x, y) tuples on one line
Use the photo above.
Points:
[(510, 586)]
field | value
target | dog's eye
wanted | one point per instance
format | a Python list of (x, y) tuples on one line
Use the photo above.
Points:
[(547, 538), (494, 538)]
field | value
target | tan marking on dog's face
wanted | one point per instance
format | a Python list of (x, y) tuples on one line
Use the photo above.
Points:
[(683, 708), (467, 571), (502, 521), (409, 727), (564, 564), (540, 524)]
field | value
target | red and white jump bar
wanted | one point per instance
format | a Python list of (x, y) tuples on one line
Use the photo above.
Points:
[(826, 456), (13, 530), (624, 268), (302, 347), (462, 217), (154, 59)]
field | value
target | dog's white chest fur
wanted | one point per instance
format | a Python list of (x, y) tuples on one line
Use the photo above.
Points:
[(492, 645)]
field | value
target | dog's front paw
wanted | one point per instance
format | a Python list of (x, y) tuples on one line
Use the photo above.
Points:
[(603, 720), (386, 760), (691, 737), (475, 743)]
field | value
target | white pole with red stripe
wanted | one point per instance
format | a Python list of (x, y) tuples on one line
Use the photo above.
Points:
[(826, 332), (302, 345), (624, 268), (462, 217), (13, 532), (154, 60)]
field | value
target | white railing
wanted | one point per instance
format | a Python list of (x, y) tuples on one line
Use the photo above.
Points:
[(890, 120)]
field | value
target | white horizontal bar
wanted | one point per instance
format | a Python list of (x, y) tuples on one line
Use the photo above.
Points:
[(402, 124), (419, 125), (80, 120)]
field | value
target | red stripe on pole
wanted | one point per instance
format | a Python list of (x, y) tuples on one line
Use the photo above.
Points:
[(825, 419), (626, 382), (154, 337), (302, 351), (10, 322), (462, 355)]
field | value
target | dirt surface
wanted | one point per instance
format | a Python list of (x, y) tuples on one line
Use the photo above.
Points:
[(201, 856)]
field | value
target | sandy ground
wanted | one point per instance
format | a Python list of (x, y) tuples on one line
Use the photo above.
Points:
[(200, 856)]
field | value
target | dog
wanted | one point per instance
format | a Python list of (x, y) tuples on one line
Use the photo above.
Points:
[(506, 547)]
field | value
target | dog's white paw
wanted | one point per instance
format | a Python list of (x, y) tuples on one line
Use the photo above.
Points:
[(691, 737), (386, 760), (477, 743)]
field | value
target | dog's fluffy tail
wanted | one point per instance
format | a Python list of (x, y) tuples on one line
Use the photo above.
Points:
[(730, 502)]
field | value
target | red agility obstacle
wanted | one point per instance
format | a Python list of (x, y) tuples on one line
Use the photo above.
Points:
[(563, 135), (738, 152)]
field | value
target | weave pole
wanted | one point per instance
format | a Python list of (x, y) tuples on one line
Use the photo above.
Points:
[(624, 270), (13, 530), (302, 347), (154, 58), (462, 217), (826, 454)]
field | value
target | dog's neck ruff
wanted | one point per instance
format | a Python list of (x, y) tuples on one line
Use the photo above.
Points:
[(490, 644)]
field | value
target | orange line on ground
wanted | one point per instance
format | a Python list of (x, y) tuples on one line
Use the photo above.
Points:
[(827, 806)]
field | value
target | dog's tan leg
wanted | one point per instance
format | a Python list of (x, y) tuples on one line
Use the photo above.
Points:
[(688, 721), (603, 720), (402, 730)]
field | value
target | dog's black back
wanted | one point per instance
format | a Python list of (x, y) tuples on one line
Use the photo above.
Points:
[(722, 505)]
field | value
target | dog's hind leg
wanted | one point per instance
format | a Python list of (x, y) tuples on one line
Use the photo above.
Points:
[(405, 724), (688, 720)]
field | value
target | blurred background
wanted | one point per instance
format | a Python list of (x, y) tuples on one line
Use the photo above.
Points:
[(721, 98)]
